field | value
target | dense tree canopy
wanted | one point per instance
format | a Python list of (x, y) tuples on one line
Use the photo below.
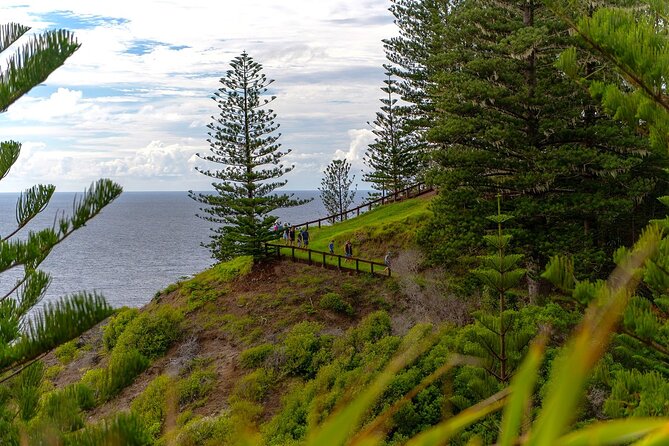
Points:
[(508, 121)]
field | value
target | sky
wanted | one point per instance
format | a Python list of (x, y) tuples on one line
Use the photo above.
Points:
[(132, 104)]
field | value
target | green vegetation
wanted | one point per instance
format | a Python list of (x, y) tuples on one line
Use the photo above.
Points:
[(335, 191), (334, 302), (286, 354), (67, 352), (116, 325), (393, 157), (151, 333), (255, 356)]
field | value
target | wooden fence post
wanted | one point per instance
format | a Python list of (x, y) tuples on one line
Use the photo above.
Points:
[(357, 268), (372, 265), (339, 262), (309, 253), (293, 250), (323, 260)]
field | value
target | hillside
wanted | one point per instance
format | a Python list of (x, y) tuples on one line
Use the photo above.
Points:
[(208, 336)]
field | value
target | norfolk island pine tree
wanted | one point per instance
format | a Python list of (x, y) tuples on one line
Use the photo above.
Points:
[(243, 139), (26, 333), (393, 157), (335, 190)]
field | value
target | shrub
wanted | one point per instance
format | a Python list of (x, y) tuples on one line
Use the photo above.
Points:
[(374, 327), (302, 349), (122, 369), (255, 356), (334, 302), (67, 352), (64, 407), (197, 385), (116, 325), (122, 429), (151, 405), (254, 386), (151, 333)]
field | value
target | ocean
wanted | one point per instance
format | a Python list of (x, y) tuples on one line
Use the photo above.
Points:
[(138, 245)]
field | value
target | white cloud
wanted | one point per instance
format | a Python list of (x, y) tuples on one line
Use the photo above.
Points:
[(61, 104), (109, 102), (360, 139)]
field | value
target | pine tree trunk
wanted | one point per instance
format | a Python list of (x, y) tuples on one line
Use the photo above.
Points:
[(532, 282)]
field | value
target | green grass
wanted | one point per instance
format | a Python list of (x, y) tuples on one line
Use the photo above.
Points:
[(388, 227)]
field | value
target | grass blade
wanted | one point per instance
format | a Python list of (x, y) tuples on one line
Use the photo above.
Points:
[(658, 438), (521, 392), (590, 342), (613, 432)]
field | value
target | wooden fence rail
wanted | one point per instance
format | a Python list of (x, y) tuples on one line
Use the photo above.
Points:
[(321, 257), (409, 192)]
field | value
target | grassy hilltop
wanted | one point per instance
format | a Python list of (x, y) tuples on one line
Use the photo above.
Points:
[(243, 343)]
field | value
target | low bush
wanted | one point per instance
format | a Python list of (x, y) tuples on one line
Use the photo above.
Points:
[(197, 385), (334, 302), (151, 333), (64, 408), (305, 350), (255, 356), (254, 386), (67, 352), (116, 326), (123, 368), (151, 405)]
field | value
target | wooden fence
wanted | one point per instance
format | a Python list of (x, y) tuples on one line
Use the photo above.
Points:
[(410, 192), (321, 258)]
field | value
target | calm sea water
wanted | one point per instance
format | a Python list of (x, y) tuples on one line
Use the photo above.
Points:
[(138, 245)]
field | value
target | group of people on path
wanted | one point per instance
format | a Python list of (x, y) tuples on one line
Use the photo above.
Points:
[(291, 235)]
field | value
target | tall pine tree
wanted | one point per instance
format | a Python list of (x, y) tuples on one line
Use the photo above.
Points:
[(393, 159), (509, 122), (243, 139), (420, 24)]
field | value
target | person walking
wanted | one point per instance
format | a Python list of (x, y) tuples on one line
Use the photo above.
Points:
[(285, 236), (291, 236), (305, 237), (299, 237), (387, 260), (331, 247), (348, 250)]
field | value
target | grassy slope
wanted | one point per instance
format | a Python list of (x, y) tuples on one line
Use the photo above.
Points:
[(230, 308), (387, 228)]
